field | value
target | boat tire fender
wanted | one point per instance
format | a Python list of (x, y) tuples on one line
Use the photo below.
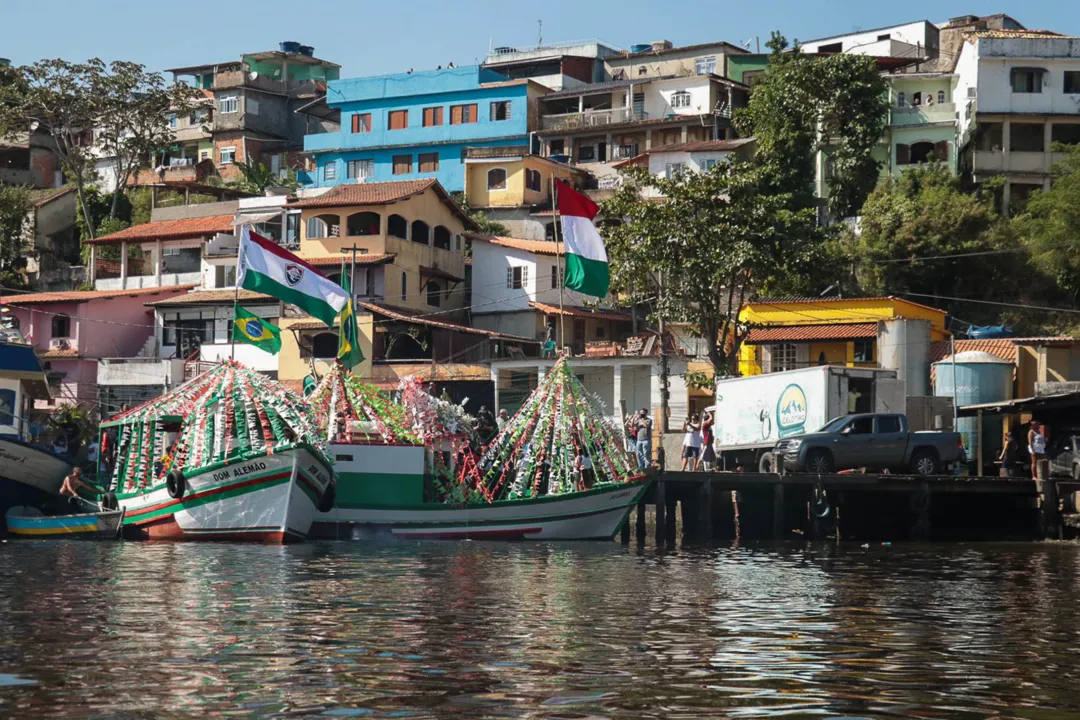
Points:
[(329, 497), (108, 501), (176, 484)]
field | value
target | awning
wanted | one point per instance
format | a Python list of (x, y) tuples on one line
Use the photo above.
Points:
[(437, 273), (1039, 403), (255, 218)]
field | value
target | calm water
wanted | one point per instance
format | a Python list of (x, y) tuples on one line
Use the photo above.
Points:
[(541, 631)]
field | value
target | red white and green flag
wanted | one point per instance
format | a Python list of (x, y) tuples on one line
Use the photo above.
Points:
[(586, 258), (268, 268)]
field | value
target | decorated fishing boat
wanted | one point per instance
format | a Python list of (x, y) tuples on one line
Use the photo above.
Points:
[(229, 455), (29, 474), (557, 470), (32, 523)]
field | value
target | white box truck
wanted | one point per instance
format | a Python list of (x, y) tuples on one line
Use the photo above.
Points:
[(752, 413)]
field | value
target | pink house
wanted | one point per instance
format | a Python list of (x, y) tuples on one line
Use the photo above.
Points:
[(71, 331)]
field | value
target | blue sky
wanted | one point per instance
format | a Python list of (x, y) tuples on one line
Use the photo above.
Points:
[(370, 38)]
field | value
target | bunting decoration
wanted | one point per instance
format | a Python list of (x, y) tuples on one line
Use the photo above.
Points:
[(229, 412), (370, 416), (434, 419), (538, 452)]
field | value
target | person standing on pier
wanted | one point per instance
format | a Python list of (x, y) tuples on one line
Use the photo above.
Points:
[(642, 426), (708, 452), (1036, 446), (691, 443)]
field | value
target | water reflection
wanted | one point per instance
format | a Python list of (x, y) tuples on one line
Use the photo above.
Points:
[(488, 630)]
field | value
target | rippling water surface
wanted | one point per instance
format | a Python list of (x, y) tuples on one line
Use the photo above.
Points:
[(543, 631)]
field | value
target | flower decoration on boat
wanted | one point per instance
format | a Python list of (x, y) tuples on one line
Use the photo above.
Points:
[(367, 415)]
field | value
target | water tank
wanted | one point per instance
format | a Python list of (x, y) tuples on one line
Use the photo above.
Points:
[(661, 45), (4, 62), (990, 332), (308, 50), (904, 346), (979, 378), (640, 47), (289, 46), (564, 159)]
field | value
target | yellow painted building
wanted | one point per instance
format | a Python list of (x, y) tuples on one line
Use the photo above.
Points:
[(790, 333), (495, 178)]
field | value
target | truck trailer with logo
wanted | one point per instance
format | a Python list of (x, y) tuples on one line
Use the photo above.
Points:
[(752, 413)]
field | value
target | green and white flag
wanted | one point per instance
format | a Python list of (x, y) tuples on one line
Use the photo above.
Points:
[(268, 268), (253, 329), (585, 256)]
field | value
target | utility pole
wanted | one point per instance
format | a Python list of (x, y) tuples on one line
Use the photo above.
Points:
[(664, 394), (352, 268)]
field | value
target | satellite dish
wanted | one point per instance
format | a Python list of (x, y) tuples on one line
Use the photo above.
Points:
[(253, 75), (34, 126)]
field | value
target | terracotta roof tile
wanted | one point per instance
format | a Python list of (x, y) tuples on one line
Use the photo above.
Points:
[(540, 247), (200, 297), (1019, 34), (698, 146), (81, 296), (365, 260), (308, 325), (171, 230), (44, 197), (59, 354), (803, 333), (579, 312), (368, 193)]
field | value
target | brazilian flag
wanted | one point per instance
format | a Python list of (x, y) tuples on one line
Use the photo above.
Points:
[(253, 329), (349, 353)]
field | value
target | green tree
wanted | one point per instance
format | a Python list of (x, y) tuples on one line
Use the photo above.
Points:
[(836, 104), (256, 177), (720, 237), (14, 206), (1050, 224)]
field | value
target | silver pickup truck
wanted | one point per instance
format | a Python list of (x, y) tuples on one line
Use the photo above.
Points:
[(878, 441)]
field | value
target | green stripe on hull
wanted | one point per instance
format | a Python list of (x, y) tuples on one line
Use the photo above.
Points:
[(223, 494)]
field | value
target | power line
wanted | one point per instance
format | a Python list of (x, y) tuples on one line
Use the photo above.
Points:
[(1044, 308)]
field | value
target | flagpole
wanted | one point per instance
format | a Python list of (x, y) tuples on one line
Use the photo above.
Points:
[(236, 295), (559, 255)]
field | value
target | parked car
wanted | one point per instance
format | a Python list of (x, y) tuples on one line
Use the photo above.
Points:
[(879, 441), (1064, 455)]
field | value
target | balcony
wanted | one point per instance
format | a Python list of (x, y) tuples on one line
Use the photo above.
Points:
[(16, 177), (1031, 163), (591, 118), (140, 371), (922, 114), (134, 282)]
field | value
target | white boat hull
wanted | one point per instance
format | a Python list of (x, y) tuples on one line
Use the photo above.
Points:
[(32, 467), (270, 498), (589, 515)]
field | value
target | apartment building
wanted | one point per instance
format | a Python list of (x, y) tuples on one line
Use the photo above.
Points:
[(558, 66)]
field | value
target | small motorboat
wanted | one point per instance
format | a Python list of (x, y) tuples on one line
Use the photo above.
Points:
[(32, 523)]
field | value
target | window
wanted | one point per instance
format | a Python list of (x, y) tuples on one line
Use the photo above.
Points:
[(988, 137), (429, 162), (399, 119), (680, 99), (888, 424), (831, 48), (496, 179), (420, 232), (359, 169), (363, 223), (1066, 134), (224, 276), (404, 287), (462, 114), (500, 110), (398, 227), (642, 70), (61, 326), (330, 172), (227, 104), (752, 77), (441, 238), (322, 226), (251, 105), (782, 357), (922, 152), (534, 180), (517, 276), (324, 346), (188, 334), (228, 155), (457, 242), (587, 153), (432, 116), (673, 169), (916, 99), (901, 99), (557, 147), (864, 351), (554, 277), (705, 65), (402, 164), (859, 426), (173, 120), (1027, 80), (361, 122), (941, 97), (434, 294), (707, 165), (1071, 83), (600, 332), (883, 37), (1027, 137)]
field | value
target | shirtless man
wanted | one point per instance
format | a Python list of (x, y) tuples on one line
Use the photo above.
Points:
[(70, 489)]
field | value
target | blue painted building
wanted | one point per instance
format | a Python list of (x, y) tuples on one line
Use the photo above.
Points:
[(412, 126)]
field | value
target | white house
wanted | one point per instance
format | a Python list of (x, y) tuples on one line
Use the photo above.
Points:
[(1017, 93), (693, 157), (913, 40)]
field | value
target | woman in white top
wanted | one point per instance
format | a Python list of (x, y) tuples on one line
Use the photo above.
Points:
[(1036, 446), (691, 443)]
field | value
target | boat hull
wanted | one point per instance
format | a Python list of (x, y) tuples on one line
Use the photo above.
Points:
[(269, 498), (89, 526), (25, 466), (595, 514)]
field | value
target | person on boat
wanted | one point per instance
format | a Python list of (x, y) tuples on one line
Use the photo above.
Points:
[(341, 427), (93, 452), (691, 443), (504, 417), (584, 465), (70, 489), (60, 446), (642, 427)]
